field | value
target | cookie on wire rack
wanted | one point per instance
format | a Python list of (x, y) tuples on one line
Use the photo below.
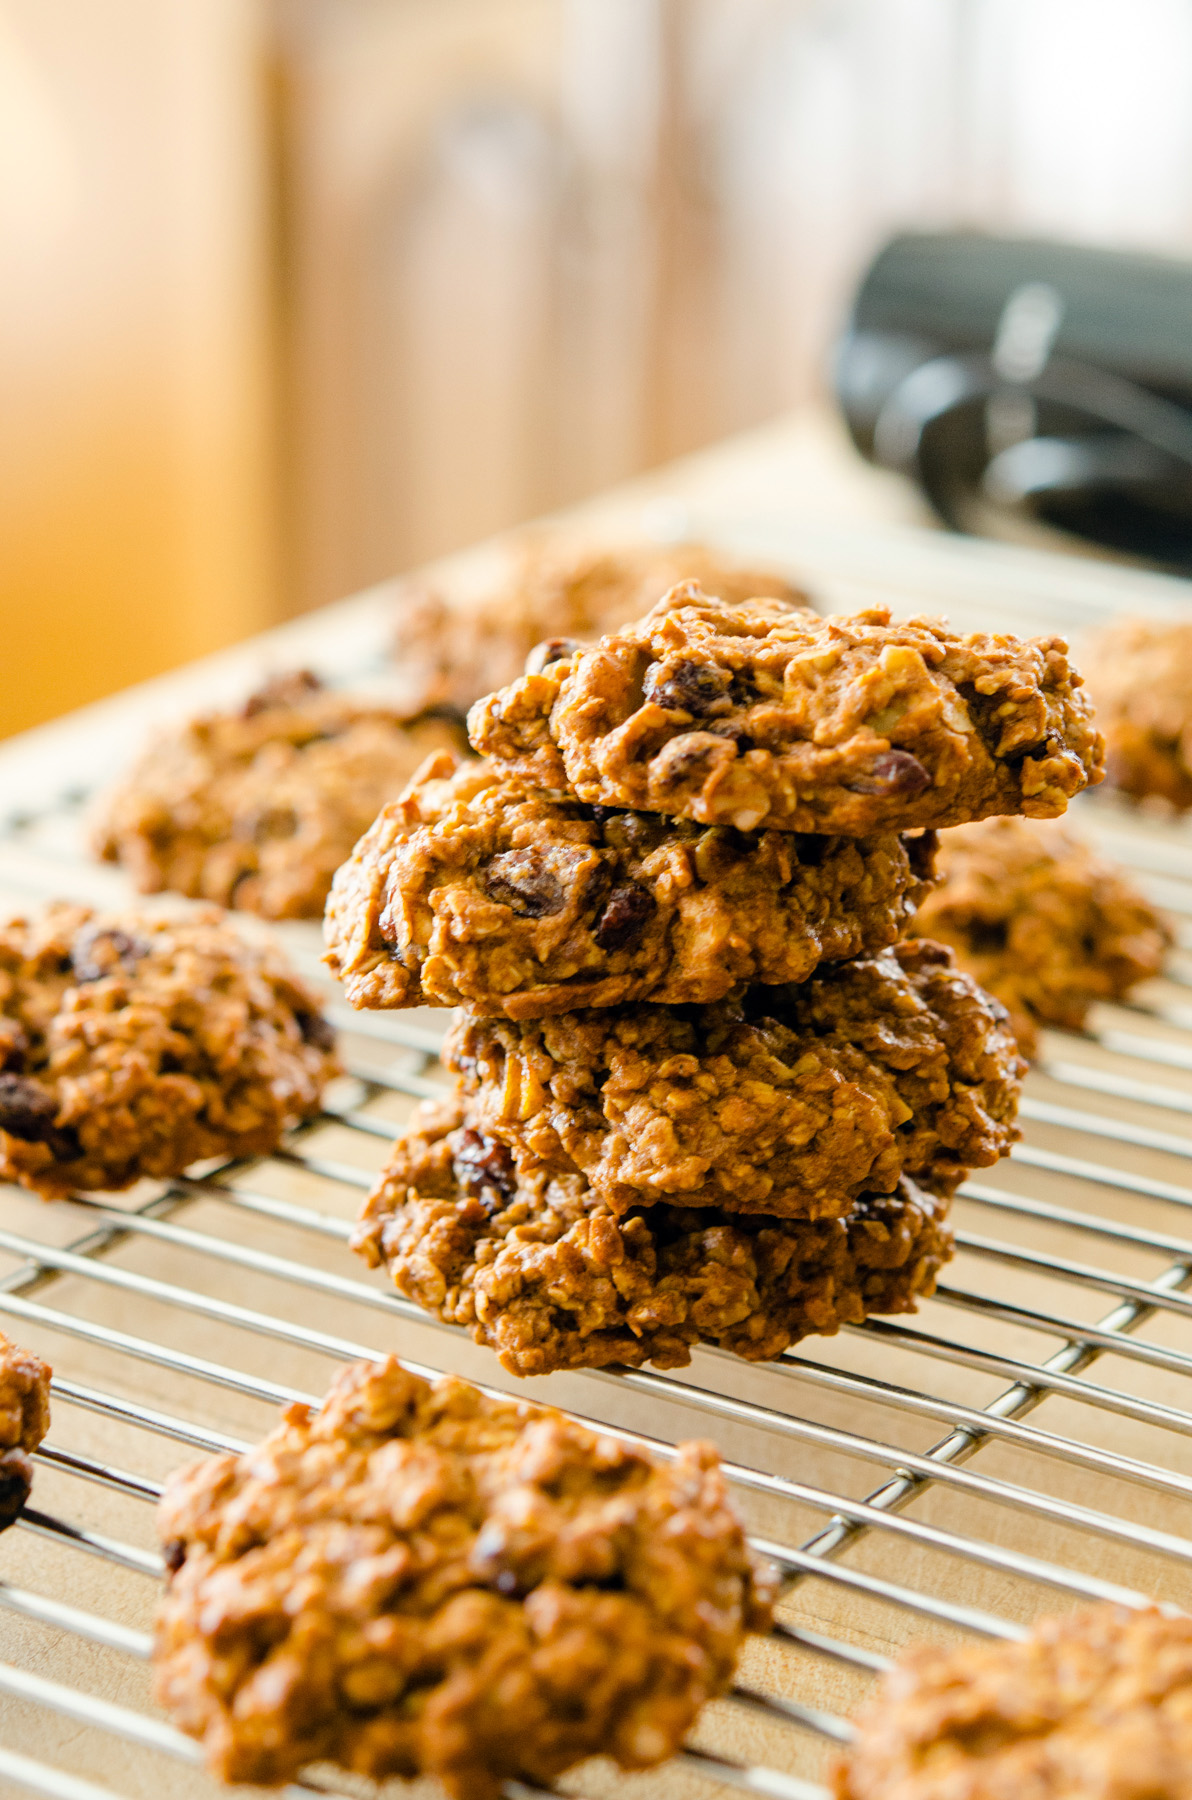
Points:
[(420, 1578), (24, 1421)]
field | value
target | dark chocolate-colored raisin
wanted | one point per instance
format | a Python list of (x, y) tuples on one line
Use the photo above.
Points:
[(687, 686), (100, 950), (16, 1478), (290, 689), (484, 1168), (623, 918), (27, 1110), (549, 651), (986, 937), (520, 880), (315, 1030), (173, 1554), (894, 772), (921, 848)]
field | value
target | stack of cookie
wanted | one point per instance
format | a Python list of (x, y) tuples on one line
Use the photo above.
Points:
[(705, 1092)]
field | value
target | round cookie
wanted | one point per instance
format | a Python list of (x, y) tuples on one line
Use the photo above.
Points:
[(1140, 677), (449, 654), (132, 1045), (423, 1579), (256, 809), (24, 1421), (472, 889), (487, 1238), (791, 1101), (1092, 1705), (1041, 922), (758, 715)]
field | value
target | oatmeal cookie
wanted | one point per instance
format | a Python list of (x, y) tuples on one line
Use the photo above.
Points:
[(132, 1045), (1140, 678), (256, 809), (450, 654), (756, 715), (1041, 922), (24, 1421), (535, 1267), (472, 889), (1093, 1705), (790, 1101), (422, 1579)]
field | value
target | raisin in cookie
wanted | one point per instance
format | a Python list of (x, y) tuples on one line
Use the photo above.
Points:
[(1140, 678), (132, 1045), (472, 889), (256, 809), (535, 1267), (24, 1421), (1092, 1705), (757, 715), (790, 1101), (423, 1579), (448, 653), (1041, 922)]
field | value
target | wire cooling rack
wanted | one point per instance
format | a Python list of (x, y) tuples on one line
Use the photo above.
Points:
[(1023, 1444)]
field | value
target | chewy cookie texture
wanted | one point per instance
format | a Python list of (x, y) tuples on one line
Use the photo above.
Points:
[(449, 657), (133, 1045), (533, 1265), (1041, 922), (793, 1101), (473, 889), (420, 1579), (24, 1421), (1140, 677), (759, 715), (256, 809), (1093, 1705)]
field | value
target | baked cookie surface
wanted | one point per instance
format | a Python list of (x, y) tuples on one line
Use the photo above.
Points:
[(1041, 922), (256, 809), (484, 1237), (24, 1421), (789, 1101), (1140, 677), (451, 655), (1092, 1705), (421, 1579), (472, 889), (132, 1045), (758, 715)]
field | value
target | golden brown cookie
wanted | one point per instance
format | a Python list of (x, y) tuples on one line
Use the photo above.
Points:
[(1140, 677), (1041, 922), (788, 1101), (133, 1045), (472, 889), (449, 655), (1093, 1705), (24, 1421), (421, 1579), (758, 715), (256, 809), (535, 1267)]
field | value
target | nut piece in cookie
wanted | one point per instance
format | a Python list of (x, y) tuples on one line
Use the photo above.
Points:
[(1092, 1705), (531, 1263), (1140, 677), (789, 1101), (1041, 922), (473, 889), (420, 1579), (256, 809), (24, 1421), (132, 1045), (450, 653), (756, 715)]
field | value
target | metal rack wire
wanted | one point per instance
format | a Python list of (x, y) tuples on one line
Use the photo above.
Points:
[(1031, 1428)]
